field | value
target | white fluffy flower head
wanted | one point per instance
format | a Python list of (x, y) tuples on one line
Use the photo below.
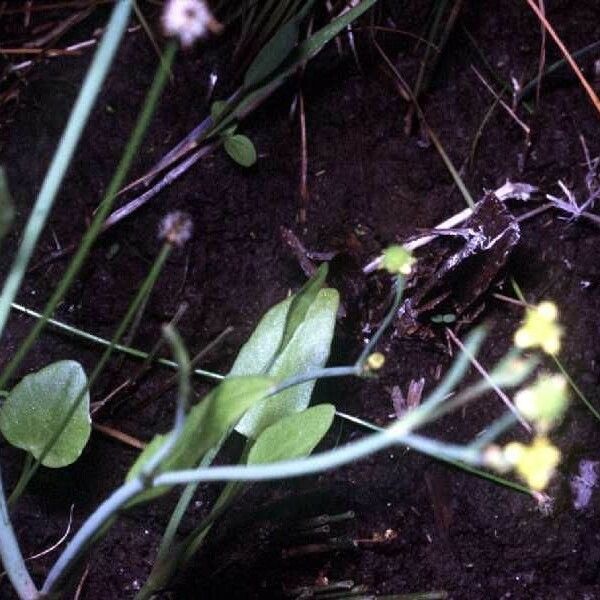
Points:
[(176, 228), (188, 20)]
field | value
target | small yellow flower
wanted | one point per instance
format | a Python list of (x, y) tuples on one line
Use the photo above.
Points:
[(397, 260), (535, 464), (375, 361), (540, 329), (544, 402)]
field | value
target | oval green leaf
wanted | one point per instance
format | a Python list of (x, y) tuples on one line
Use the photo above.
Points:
[(37, 405), (294, 436), (241, 149)]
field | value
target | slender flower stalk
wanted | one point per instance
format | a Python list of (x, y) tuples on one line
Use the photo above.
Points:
[(64, 153)]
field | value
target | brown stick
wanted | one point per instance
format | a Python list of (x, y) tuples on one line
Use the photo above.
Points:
[(303, 161), (584, 82)]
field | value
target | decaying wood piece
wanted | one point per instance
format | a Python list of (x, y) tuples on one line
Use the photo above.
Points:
[(453, 282)]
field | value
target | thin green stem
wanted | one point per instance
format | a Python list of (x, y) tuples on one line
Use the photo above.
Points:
[(576, 389), (494, 431), (527, 89), (422, 414), (398, 291), (171, 557), (96, 226), (142, 293), (436, 141), (312, 465), (458, 180), (181, 355), (422, 444), (182, 505), (88, 531), (64, 153), (90, 337), (313, 374)]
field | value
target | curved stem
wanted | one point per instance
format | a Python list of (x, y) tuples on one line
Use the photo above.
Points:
[(317, 463), (11, 556), (88, 532)]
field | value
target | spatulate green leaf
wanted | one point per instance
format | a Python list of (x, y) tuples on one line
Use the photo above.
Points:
[(294, 436), (308, 349), (217, 108), (313, 45), (277, 327), (258, 353), (33, 411)]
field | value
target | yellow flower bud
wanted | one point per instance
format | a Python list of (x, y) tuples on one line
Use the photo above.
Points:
[(375, 361), (397, 260)]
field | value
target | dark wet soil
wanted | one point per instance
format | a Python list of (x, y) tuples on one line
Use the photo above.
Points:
[(370, 184)]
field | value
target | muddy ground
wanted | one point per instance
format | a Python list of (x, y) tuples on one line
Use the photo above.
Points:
[(370, 184)]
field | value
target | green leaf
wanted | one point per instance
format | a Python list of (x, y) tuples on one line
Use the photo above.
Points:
[(33, 411), (258, 353), (277, 49), (205, 425), (302, 301), (313, 45), (241, 149), (308, 349), (216, 112), (273, 53), (294, 436), (217, 108), (7, 211), (277, 327)]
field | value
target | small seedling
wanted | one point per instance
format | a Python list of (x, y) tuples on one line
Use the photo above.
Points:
[(239, 147)]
